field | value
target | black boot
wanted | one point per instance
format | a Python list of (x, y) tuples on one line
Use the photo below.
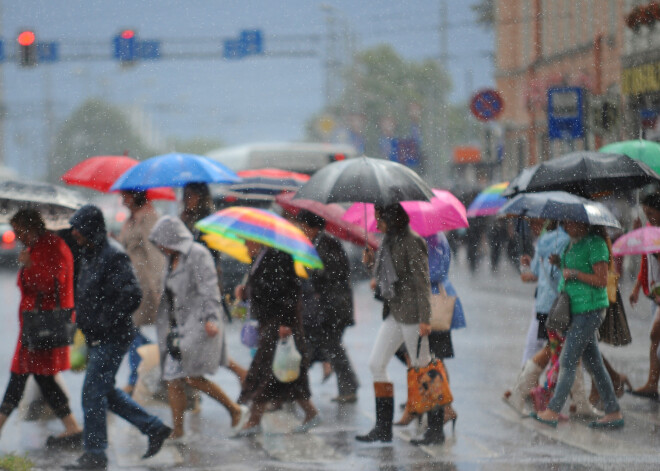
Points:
[(384, 415), (434, 434)]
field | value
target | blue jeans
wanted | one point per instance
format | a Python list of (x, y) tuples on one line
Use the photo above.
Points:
[(581, 342), (100, 395), (134, 357)]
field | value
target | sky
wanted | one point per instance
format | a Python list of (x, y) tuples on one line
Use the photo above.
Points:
[(236, 101)]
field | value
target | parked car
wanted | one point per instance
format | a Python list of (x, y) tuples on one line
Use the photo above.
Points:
[(10, 247)]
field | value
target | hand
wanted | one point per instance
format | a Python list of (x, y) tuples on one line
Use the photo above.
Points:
[(368, 257), (528, 277), (525, 260), (424, 329), (211, 328), (372, 284), (239, 292), (285, 331), (570, 274), (634, 297), (554, 259), (24, 258)]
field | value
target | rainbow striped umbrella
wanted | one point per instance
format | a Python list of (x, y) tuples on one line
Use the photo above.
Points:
[(488, 201), (265, 227)]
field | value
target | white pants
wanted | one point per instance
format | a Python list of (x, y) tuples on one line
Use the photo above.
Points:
[(533, 343), (390, 337)]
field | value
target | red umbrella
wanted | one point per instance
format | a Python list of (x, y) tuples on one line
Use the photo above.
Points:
[(332, 214), (100, 172)]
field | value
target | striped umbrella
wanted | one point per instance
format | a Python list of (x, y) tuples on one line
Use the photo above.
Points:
[(265, 227), (488, 201)]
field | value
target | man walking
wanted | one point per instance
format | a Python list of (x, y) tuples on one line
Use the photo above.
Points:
[(333, 305), (108, 293)]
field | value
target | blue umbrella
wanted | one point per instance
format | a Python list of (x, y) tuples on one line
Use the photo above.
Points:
[(561, 206), (174, 170)]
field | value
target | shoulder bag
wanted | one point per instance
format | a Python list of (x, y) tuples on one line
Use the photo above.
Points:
[(559, 316), (442, 309), (44, 330)]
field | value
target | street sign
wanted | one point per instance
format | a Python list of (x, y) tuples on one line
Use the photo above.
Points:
[(486, 105), (249, 43), (48, 51), (565, 113)]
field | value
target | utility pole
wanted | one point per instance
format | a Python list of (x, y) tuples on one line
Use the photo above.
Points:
[(3, 107), (443, 157)]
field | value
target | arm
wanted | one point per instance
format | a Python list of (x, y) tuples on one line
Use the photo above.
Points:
[(206, 279), (598, 278), (122, 289)]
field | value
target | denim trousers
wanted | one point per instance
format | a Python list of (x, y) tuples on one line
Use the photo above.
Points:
[(134, 357), (581, 342), (99, 395)]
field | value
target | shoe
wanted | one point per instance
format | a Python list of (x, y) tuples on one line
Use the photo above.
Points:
[(156, 441), (406, 419), (649, 395), (310, 424), (551, 423), (345, 398), (611, 425), (248, 432), (245, 416), (450, 414), (89, 461), (68, 441)]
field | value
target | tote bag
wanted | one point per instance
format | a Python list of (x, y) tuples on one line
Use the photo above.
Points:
[(44, 330), (442, 309)]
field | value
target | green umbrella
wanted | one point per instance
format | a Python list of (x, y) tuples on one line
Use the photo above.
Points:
[(638, 149)]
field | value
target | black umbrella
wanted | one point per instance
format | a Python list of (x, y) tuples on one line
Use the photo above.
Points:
[(365, 180), (584, 173)]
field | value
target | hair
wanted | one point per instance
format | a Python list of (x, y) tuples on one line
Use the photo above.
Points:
[(601, 232), (204, 207), (29, 219), (139, 197), (395, 217), (652, 201), (551, 224), (310, 219)]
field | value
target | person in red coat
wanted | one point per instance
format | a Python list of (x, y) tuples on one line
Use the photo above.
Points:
[(46, 266)]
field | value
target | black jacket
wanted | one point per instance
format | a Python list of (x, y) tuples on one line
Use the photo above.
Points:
[(108, 290)]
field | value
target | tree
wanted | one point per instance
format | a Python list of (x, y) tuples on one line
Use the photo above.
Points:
[(196, 145), (94, 128), (485, 12)]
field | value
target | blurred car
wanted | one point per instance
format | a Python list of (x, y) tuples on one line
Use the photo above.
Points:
[(10, 247)]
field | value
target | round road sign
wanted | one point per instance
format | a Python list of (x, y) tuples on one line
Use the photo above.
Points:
[(486, 105)]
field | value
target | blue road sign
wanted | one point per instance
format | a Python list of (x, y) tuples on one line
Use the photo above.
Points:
[(249, 43), (565, 113), (148, 49), (2, 50), (48, 51)]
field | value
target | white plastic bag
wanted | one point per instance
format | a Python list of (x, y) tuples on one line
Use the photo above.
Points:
[(286, 363)]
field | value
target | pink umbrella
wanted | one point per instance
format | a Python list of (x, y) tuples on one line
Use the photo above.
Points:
[(640, 241), (443, 213)]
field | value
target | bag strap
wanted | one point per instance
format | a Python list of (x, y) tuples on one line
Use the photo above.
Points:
[(420, 340)]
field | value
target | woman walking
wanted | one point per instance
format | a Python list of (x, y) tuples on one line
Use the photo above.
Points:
[(402, 283), (46, 282), (584, 267), (189, 324)]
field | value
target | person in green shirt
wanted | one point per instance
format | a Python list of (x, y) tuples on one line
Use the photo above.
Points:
[(584, 272)]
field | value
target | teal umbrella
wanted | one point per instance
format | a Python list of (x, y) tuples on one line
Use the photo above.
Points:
[(638, 149)]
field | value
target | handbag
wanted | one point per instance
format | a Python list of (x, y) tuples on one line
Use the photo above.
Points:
[(44, 330), (428, 386), (615, 330), (442, 309), (559, 317), (286, 362)]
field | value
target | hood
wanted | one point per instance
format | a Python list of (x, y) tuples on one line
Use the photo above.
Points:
[(170, 232), (89, 221), (552, 242)]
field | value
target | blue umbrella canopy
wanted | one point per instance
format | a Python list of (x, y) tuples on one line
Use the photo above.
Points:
[(561, 206), (174, 170)]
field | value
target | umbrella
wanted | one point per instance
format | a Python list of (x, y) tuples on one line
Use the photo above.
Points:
[(584, 173), (640, 241), (444, 213), (55, 203), (332, 213), (174, 170), (265, 227), (366, 180), (561, 206), (268, 181), (488, 201), (638, 149), (100, 172)]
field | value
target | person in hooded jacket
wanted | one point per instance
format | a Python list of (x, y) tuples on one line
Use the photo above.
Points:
[(189, 325), (108, 293)]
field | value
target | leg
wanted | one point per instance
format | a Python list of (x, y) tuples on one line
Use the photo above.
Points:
[(59, 402), (532, 343), (213, 390), (177, 399), (527, 380), (13, 396), (237, 369), (593, 361), (347, 382), (651, 385), (134, 360)]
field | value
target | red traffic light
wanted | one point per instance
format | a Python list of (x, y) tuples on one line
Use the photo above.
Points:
[(127, 34), (26, 38)]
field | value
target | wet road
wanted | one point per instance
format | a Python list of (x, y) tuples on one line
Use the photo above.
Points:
[(488, 434)]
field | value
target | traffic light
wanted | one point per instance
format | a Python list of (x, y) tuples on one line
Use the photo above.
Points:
[(125, 46), (27, 48)]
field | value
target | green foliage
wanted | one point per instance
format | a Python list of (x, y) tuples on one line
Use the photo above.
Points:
[(196, 145), (13, 462)]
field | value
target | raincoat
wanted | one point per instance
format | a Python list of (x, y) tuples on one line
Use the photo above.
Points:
[(439, 262), (548, 275)]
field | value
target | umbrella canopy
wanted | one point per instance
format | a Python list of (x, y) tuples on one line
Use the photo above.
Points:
[(174, 170), (332, 213), (584, 173), (366, 180), (55, 203), (265, 227), (640, 241), (443, 213), (488, 201), (638, 149), (561, 206), (268, 181), (100, 172)]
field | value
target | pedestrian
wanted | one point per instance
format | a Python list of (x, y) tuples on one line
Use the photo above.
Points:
[(45, 279), (149, 265), (108, 293), (333, 305), (584, 267), (402, 282), (189, 324), (272, 291)]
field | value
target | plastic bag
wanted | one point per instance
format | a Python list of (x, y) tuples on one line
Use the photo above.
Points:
[(286, 363), (250, 333), (78, 352)]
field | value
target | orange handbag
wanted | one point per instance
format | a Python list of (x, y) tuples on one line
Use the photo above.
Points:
[(428, 386)]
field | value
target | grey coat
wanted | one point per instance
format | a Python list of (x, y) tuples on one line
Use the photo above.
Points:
[(195, 300)]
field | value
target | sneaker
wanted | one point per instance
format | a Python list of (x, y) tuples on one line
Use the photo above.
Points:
[(67, 441), (89, 461), (245, 416), (156, 441)]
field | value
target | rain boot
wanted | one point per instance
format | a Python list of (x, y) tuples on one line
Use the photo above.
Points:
[(384, 415), (580, 405), (527, 380), (434, 434)]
